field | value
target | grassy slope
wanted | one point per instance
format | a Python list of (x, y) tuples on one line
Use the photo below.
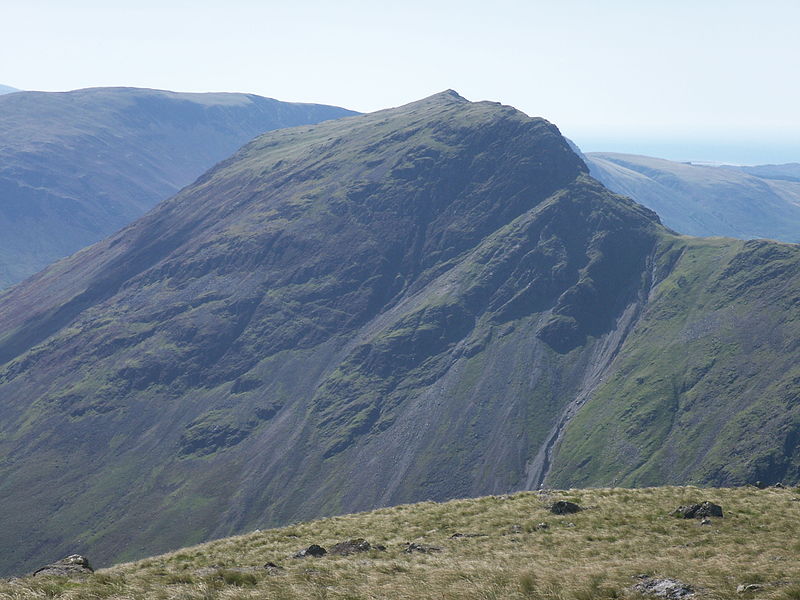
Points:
[(595, 554), (706, 386)]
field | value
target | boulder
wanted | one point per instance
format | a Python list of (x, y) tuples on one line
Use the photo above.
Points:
[(698, 511), (748, 587), (350, 547), (314, 550), (71, 566), (563, 507), (664, 588)]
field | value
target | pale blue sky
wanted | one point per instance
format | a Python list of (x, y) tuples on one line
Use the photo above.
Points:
[(703, 79)]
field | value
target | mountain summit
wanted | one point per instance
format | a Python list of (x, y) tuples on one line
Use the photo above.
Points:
[(418, 303)]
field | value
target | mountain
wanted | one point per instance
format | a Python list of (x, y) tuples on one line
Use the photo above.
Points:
[(511, 547), (427, 302), (77, 166), (6, 89), (741, 202)]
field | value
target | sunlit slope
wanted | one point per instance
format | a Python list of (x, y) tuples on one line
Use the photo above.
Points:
[(493, 547)]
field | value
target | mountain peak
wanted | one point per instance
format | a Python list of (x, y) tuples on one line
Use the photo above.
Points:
[(452, 95), (446, 98)]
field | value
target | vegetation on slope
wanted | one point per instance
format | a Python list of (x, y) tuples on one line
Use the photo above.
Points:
[(510, 547), (709, 374)]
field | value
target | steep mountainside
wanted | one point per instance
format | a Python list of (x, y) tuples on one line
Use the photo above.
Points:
[(416, 303), (741, 202), (77, 166)]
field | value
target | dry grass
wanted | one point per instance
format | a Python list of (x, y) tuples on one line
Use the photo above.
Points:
[(592, 555)]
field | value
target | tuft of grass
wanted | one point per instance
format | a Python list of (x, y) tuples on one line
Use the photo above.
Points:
[(791, 592)]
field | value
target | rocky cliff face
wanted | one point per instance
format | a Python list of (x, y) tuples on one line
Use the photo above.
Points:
[(77, 166), (419, 303)]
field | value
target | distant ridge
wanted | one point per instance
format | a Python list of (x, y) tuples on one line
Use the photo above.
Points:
[(708, 200), (7, 89), (77, 166)]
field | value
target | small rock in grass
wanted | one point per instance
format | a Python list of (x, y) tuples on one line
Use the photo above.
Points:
[(314, 550), (541, 526), (350, 547), (71, 566), (705, 521), (516, 528), (564, 507), (748, 587), (664, 588), (413, 547), (698, 511), (273, 569)]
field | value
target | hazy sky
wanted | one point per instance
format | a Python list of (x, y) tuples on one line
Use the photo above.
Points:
[(702, 79)]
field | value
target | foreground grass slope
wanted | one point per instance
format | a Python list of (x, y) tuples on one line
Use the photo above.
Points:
[(598, 553)]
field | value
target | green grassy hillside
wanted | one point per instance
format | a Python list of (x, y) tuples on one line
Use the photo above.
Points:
[(708, 375), (509, 547)]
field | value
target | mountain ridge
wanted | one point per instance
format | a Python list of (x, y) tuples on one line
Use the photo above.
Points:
[(390, 307), (703, 200)]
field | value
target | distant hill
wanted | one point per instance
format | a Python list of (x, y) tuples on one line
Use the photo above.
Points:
[(7, 89), (787, 172), (427, 302), (77, 166), (740, 202)]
